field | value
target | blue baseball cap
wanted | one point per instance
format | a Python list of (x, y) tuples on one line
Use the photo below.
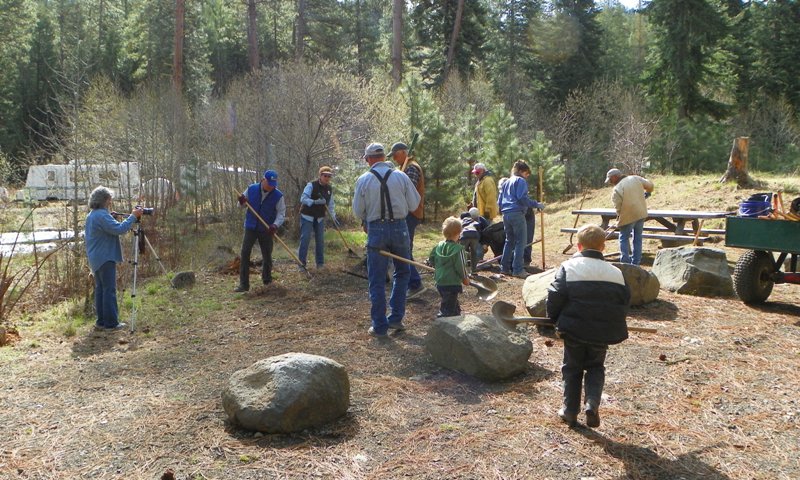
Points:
[(272, 178)]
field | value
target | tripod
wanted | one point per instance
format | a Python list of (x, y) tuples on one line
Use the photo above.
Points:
[(139, 242)]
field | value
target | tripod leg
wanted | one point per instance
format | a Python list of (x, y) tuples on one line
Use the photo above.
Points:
[(153, 251), (135, 271)]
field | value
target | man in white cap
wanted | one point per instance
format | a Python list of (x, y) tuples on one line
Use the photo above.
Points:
[(383, 199), (484, 197), (629, 197)]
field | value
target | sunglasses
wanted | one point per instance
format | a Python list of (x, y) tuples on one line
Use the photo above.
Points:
[(327, 174)]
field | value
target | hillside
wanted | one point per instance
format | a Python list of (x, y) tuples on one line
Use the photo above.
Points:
[(712, 395)]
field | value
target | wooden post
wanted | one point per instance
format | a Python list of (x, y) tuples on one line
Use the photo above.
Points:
[(737, 164), (541, 212)]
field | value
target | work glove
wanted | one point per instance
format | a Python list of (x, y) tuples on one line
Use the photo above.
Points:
[(273, 229), (320, 201), (647, 194), (540, 206), (242, 199)]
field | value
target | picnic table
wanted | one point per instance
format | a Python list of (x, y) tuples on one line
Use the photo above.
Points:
[(675, 227)]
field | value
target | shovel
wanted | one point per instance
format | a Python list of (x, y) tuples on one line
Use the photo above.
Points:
[(350, 251), (503, 312), (492, 260), (487, 288)]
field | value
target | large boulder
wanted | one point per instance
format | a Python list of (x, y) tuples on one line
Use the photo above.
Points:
[(644, 285), (183, 280), (534, 292), (477, 346), (699, 271), (287, 393)]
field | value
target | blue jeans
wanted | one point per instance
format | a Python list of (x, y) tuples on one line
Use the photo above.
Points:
[(415, 281), (624, 246), (516, 231), (306, 228), (105, 295), (530, 225), (391, 236)]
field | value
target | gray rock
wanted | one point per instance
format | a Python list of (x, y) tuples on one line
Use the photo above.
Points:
[(183, 280), (477, 346), (701, 271), (534, 292), (287, 393), (644, 285)]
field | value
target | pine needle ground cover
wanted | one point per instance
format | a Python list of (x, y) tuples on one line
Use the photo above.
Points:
[(713, 394)]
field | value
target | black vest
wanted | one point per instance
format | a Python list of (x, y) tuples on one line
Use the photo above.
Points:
[(318, 191)]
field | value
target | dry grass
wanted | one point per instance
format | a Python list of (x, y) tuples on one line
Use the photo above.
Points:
[(723, 402)]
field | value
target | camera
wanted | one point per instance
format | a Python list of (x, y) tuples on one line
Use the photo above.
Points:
[(145, 210)]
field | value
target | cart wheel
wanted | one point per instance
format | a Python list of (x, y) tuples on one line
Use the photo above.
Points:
[(753, 276)]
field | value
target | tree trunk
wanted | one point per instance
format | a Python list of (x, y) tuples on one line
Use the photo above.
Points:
[(737, 164), (177, 61), (252, 36), (397, 42), (300, 30), (451, 50)]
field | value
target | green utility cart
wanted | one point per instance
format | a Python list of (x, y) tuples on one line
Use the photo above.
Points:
[(757, 271)]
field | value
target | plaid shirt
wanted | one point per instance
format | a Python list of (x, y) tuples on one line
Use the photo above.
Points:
[(413, 174)]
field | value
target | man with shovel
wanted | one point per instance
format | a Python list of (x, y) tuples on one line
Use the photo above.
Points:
[(316, 202), (383, 198), (265, 198), (588, 301)]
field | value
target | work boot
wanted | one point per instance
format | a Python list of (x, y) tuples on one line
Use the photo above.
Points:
[(398, 326), (570, 419), (592, 415), (240, 289)]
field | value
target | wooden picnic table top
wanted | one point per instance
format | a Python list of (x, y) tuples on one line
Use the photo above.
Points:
[(683, 214)]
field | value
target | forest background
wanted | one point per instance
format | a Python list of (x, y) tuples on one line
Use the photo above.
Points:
[(575, 86)]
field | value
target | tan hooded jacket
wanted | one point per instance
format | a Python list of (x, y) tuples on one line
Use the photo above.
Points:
[(628, 198)]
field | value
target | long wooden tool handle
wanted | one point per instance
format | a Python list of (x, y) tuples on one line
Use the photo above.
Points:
[(544, 321), (403, 259), (333, 221), (266, 225), (541, 212), (697, 233)]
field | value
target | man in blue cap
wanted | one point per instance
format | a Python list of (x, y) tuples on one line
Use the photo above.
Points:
[(265, 198)]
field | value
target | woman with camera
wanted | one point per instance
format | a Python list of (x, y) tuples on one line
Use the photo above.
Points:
[(104, 252)]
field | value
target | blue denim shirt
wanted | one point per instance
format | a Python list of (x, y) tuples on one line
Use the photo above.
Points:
[(102, 237), (514, 196)]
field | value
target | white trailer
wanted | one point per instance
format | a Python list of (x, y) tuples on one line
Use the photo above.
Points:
[(58, 182)]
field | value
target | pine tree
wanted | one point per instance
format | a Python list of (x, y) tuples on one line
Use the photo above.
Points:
[(687, 35)]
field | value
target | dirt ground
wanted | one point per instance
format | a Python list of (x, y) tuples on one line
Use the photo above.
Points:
[(712, 395)]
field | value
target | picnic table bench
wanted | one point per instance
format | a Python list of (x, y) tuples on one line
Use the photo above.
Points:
[(676, 227)]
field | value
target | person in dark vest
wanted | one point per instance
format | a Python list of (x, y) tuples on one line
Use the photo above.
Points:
[(316, 202), (411, 168), (267, 200), (383, 198), (588, 302)]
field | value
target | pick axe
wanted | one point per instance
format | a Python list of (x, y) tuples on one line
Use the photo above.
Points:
[(487, 288), (266, 225), (503, 312)]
